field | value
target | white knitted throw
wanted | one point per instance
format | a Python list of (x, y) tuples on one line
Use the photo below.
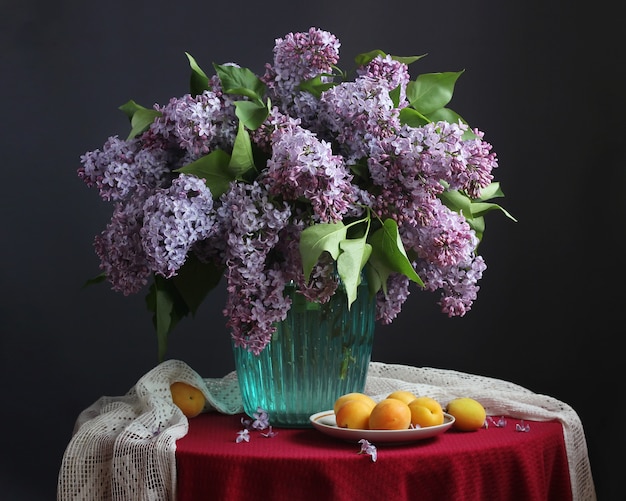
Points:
[(124, 447)]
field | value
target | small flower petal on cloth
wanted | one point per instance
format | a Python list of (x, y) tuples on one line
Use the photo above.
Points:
[(243, 436), (368, 448)]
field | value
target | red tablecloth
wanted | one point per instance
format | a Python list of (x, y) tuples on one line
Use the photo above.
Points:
[(497, 463)]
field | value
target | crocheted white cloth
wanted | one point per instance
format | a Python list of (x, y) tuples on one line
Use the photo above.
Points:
[(124, 447)]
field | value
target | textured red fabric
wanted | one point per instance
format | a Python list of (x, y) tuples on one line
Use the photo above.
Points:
[(304, 464)]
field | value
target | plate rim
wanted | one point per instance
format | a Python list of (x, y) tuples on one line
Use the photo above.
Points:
[(408, 435)]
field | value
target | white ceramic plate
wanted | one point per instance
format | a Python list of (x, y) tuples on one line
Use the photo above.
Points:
[(325, 422)]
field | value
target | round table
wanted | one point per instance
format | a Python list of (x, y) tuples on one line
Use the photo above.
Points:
[(494, 463)]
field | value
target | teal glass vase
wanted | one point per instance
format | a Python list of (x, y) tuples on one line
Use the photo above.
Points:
[(318, 353)]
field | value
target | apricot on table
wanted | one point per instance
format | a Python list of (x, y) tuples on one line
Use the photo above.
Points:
[(353, 396), (469, 414), (189, 399), (425, 411), (353, 414), (390, 414)]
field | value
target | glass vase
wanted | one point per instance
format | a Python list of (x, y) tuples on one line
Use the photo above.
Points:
[(318, 353)]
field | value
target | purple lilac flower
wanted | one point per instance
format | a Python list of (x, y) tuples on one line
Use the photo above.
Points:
[(197, 124), (255, 300), (288, 247), (242, 436), (369, 449), (260, 423), (174, 219), (480, 162), (275, 122), (261, 419), (389, 305), (446, 240), (270, 433), (305, 107), (120, 250), (362, 199), (464, 164), (407, 182), (302, 166), (246, 423), (499, 423), (121, 166), (254, 229), (389, 73), (322, 283), (254, 303), (409, 167), (299, 57), (458, 284), (446, 261), (355, 114)]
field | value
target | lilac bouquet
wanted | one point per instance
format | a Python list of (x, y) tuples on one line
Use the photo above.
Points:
[(299, 176)]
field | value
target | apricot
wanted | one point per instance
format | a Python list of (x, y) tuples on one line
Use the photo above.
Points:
[(405, 396), (354, 396), (469, 414), (354, 414), (390, 414), (425, 411), (189, 399)]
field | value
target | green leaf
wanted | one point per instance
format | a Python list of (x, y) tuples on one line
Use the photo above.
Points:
[(412, 117), (199, 81), (478, 225), (316, 85), (431, 91), (318, 238), (395, 96), (354, 254), (407, 59), (168, 308), (388, 254), (474, 210), (457, 201), (141, 121), (95, 280), (367, 57), (195, 280), (490, 191), (170, 300), (481, 208), (140, 117), (241, 160), (361, 170), (460, 202), (374, 280), (241, 81), (446, 115), (252, 113), (214, 169), (130, 107)]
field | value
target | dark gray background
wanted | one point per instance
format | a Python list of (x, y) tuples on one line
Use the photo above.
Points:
[(543, 80)]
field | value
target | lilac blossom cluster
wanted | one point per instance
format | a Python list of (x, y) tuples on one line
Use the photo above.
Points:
[(260, 422), (312, 145)]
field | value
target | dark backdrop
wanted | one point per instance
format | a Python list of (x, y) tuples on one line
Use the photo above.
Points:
[(543, 80)]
